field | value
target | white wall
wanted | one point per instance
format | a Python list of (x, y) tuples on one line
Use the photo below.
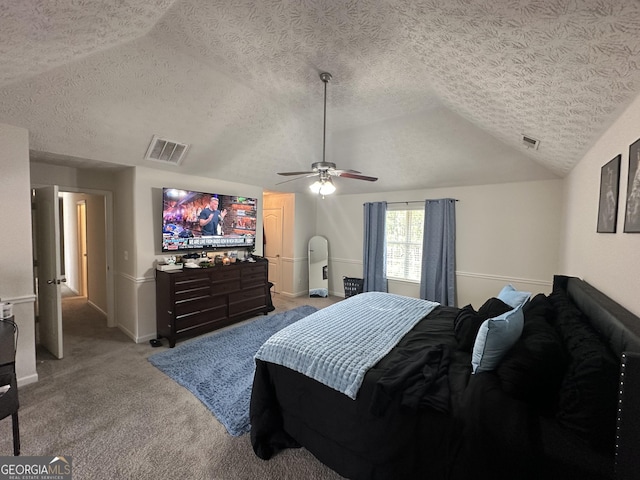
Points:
[(305, 228), (71, 179), (125, 254), (506, 233), (97, 251), (16, 281), (610, 262)]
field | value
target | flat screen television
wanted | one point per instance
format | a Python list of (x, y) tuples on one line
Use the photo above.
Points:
[(206, 221)]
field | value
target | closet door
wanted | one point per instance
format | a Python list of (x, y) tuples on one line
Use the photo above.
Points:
[(272, 221)]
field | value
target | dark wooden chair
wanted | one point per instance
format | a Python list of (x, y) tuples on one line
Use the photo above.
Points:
[(8, 384)]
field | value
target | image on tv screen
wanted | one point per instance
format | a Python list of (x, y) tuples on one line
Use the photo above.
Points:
[(198, 221)]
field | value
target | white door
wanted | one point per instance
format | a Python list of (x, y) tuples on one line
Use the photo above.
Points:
[(49, 277), (272, 221)]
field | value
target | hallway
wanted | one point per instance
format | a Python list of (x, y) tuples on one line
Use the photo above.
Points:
[(85, 335)]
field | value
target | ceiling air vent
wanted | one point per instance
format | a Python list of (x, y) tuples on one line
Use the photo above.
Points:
[(530, 142), (167, 151)]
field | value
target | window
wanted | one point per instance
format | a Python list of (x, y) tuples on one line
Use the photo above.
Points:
[(404, 244)]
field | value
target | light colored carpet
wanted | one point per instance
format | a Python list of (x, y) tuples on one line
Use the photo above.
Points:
[(119, 417), (219, 368)]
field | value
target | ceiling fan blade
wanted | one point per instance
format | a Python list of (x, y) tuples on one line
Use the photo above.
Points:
[(294, 173), (311, 174), (358, 177), (337, 173)]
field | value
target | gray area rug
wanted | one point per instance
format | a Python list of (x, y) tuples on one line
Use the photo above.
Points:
[(218, 369)]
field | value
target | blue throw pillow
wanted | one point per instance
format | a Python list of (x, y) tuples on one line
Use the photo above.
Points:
[(495, 337), (513, 297)]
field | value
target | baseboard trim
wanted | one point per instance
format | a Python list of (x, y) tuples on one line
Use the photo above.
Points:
[(293, 295), (97, 308), (22, 381), (146, 338), (127, 332)]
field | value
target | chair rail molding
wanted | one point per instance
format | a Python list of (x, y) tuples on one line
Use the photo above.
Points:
[(504, 278), (30, 298)]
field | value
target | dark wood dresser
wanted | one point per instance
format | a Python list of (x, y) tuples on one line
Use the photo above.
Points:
[(194, 301)]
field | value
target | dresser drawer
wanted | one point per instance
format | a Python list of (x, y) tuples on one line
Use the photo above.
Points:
[(202, 317), (244, 306), (253, 278), (188, 281), (247, 294), (193, 305), (224, 287), (224, 273), (191, 286), (196, 291), (254, 269), (247, 300)]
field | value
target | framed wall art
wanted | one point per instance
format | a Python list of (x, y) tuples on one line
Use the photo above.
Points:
[(609, 188), (632, 214)]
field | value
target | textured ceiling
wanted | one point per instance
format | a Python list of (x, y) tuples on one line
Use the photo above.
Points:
[(425, 93)]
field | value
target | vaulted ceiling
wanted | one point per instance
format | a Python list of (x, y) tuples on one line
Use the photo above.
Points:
[(425, 93)]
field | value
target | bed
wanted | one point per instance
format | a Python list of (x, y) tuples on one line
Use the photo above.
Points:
[(543, 407)]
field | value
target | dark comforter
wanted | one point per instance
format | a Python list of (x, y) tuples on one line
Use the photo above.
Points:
[(403, 423)]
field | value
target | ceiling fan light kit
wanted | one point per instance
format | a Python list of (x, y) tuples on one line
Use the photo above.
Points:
[(323, 187), (325, 170)]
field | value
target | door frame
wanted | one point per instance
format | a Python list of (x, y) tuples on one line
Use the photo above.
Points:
[(109, 243)]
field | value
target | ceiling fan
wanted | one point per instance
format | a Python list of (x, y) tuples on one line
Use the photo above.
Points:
[(325, 170)]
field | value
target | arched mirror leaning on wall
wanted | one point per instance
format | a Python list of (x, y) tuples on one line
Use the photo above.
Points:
[(318, 267)]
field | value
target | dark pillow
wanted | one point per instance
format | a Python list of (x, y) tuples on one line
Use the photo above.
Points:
[(539, 306), (493, 308), (532, 371), (588, 395), (468, 321), (564, 309), (466, 325)]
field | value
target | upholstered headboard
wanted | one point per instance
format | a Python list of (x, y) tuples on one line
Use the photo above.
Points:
[(622, 329), (616, 324)]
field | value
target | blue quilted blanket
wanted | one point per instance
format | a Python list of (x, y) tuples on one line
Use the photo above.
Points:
[(338, 344)]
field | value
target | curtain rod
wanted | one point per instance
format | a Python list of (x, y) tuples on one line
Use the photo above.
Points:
[(417, 201)]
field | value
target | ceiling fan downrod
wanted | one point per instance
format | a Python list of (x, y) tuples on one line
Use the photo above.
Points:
[(325, 77)]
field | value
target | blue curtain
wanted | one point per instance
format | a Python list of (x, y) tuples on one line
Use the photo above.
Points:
[(374, 262), (439, 252)]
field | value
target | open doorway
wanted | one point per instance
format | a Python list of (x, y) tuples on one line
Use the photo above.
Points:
[(83, 246), (85, 240)]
